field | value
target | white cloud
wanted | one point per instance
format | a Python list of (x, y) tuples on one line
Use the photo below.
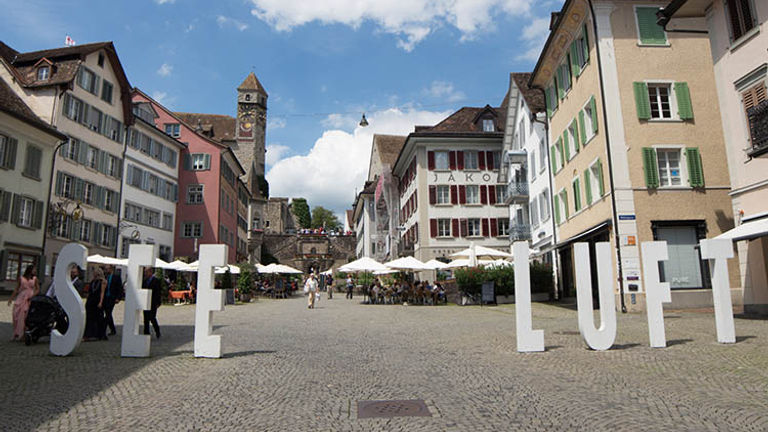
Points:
[(163, 98), (276, 152), (165, 70), (444, 90), (223, 21), (164, 1), (534, 36), (275, 123), (337, 164), (340, 121), (410, 20)]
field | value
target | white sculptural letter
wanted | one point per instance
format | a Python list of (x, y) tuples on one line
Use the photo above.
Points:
[(719, 250), (656, 292), (63, 344), (137, 300), (528, 340), (597, 338), (209, 300)]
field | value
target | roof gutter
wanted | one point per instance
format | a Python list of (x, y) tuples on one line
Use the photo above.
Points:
[(665, 15)]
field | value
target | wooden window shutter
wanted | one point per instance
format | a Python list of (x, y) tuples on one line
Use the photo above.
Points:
[(481, 160), (430, 160), (11, 146), (559, 145), (587, 187), (557, 209), (452, 160), (16, 210), (207, 161), (462, 194), (600, 181), (82, 154), (695, 171), (59, 183), (566, 145), (582, 131), (483, 194), (494, 227), (576, 195), (432, 194), (492, 194), (455, 227), (79, 189), (575, 67), (565, 203), (553, 158), (485, 224), (650, 32), (454, 195), (593, 108), (642, 102), (586, 43), (464, 227), (650, 167), (576, 136), (683, 96), (433, 228), (460, 159), (5, 206), (489, 161)]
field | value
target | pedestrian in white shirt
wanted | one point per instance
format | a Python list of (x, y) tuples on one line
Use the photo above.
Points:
[(310, 286)]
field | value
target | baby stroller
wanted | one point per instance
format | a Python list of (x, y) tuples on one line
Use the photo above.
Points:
[(45, 314)]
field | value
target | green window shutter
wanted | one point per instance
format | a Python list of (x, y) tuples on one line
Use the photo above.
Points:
[(59, 183), (650, 167), (695, 171), (684, 106), (207, 161), (566, 146), (576, 195), (593, 107), (600, 181), (642, 102), (557, 209), (586, 43), (5, 207), (576, 136), (16, 210), (575, 69), (79, 189), (82, 154), (188, 162), (587, 187), (10, 155), (559, 145), (555, 101), (37, 217), (565, 203), (582, 131), (553, 158), (558, 84), (650, 32), (549, 101)]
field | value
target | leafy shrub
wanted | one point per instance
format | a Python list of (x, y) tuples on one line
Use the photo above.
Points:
[(245, 279), (470, 280)]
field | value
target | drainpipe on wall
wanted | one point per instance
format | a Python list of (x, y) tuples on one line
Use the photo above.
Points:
[(614, 214), (120, 195)]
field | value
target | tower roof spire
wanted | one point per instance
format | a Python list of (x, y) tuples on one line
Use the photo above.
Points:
[(252, 83)]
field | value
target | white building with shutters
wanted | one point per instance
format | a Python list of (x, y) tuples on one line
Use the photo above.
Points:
[(150, 185), (448, 186), (84, 93), (636, 146), (26, 154)]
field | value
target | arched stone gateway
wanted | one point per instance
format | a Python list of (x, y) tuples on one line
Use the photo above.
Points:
[(316, 251)]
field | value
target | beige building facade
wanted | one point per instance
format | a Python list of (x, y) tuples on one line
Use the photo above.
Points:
[(636, 148), (738, 37)]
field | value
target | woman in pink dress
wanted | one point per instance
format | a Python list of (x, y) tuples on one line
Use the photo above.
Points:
[(27, 288)]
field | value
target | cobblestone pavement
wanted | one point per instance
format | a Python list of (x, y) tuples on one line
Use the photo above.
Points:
[(287, 368)]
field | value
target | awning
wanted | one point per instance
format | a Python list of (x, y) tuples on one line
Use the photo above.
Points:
[(747, 231), (584, 234)]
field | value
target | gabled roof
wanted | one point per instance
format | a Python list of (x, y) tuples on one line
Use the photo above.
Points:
[(387, 147), (214, 126), (65, 63), (534, 98), (464, 121), (11, 104), (252, 83)]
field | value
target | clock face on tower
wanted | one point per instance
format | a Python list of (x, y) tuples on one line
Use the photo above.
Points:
[(246, 117)]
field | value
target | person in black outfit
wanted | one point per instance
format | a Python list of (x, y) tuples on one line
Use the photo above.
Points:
[(150, 316), (95, 325), (112, 297)]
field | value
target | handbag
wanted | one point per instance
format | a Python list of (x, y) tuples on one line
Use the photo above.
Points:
[(306, 289)]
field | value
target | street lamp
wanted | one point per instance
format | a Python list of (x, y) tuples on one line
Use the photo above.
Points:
[(363, 121)]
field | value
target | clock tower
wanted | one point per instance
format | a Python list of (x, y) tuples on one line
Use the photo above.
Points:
[(250, 133)]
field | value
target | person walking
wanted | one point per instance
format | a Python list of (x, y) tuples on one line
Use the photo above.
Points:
[(350, 286), (150, 316), (329, 286), (27, 288), (112, 296), (95, 324), (311, 288)]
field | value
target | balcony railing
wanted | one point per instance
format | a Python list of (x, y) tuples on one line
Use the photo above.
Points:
[(517, 192), (758, 129), (519, 232)]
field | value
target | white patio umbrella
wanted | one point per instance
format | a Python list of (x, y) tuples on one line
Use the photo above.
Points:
[(162, 264), (363, 264), (177, 265), (98, 259), (434, 264), (284, 269), (466, 262), (384, 272), (407, 263), (481, 252), (328, 272), (223, 269)]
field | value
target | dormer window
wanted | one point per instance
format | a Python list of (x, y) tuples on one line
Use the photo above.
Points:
[(101, 60), (248, 98), (488, 125), (43, 73)]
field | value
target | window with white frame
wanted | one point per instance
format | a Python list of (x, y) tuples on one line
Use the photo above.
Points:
[(73, 147), (107, 235), (670, 170), (564, 78), (43, 73), (500, 190), (488, 125), (473, 228), (112, 168), (167, 222), (495, 161), (33, 161), (443, 227), (110, 199), (441, 160), (152, 218), (443, 194), (534, 213), (473, 194), (88, 193), (544, 205), (61, 225), (106, 91), (26, 210), (595, 179), (533, 165), (573, 140), (195, 194), (741, 17), (88, 80), (198, 161), (85, 230), (173, 129), (589, 129), (66, 186), (93, 157), (503, 224), (661, 101), (543, 154), (580, 48), (563, 205), (192, 229), (470, 160)]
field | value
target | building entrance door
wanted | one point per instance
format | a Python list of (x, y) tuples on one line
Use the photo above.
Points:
[(683, 269)]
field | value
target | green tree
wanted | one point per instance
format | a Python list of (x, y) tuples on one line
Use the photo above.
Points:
[(300, 208), (324, 218)]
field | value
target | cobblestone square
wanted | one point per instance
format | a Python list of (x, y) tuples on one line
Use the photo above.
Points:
[(287, 368)]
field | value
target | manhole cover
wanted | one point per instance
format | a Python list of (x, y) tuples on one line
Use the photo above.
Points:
[(392, 408)]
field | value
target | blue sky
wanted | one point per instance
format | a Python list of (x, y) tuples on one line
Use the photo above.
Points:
[(323, 63)]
